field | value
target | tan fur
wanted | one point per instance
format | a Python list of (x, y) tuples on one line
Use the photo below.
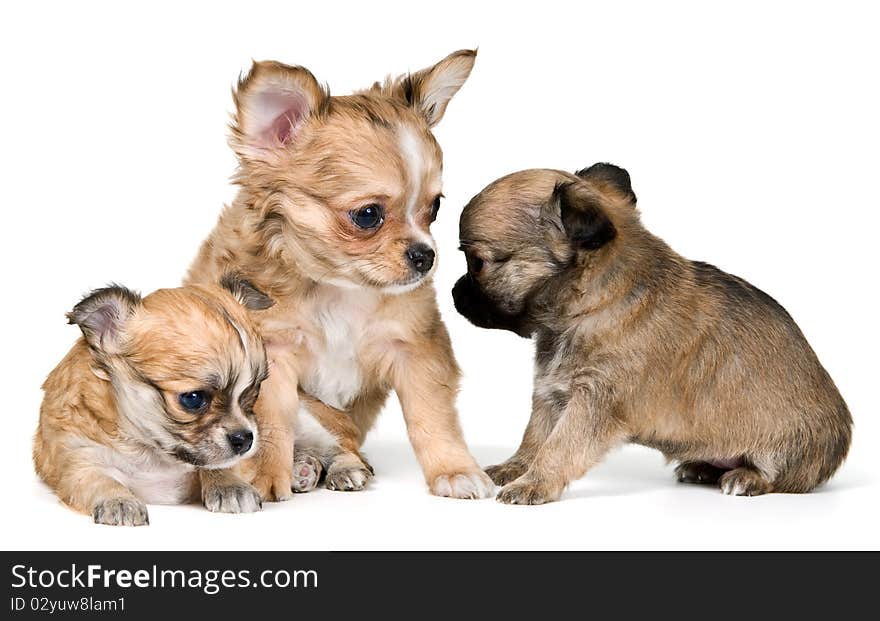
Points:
[(636, 343), (112, 434), (352, 320)]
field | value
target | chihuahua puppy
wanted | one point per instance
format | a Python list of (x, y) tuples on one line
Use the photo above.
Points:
[(156, 393), (332, 221), (636, 343)]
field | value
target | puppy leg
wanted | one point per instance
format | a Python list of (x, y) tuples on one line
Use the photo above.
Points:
[(745, 481), (584, 434), (88, 490), (275, 413), (224, 491), (538, 429), (425, 378), (330, 437)]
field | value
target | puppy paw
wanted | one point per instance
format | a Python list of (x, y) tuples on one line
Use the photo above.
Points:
[(234, 498), (348, 478), (463, 485), (525, 491), (307, 471), (276, 487), (121, 512), (698, 472), (509, 471), (744, 482)]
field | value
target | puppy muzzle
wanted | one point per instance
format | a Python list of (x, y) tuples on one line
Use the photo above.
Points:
[(474, 305)]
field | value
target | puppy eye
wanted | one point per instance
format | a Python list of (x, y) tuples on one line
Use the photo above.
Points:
[(475, 263), (370, 217), (194, 400), (435, 207)]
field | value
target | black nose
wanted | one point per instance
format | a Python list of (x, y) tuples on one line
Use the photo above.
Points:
[(241, 441), (421, 257)]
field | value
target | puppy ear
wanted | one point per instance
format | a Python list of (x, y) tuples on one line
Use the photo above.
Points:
[(583, 219), (102, 315), (271, 104), (429, 90), (609, 178), (246, 293)]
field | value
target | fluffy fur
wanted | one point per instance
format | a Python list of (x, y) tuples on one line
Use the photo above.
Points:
[(356, 314), (636, 343), (113, 431)]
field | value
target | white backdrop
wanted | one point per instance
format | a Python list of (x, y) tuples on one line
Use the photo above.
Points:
[(751, 133)]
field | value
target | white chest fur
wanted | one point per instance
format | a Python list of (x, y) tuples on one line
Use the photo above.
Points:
[(153, 478), (341, 318), (168, 484)]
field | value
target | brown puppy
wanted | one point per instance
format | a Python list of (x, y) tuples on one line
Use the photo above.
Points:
[(157, 391), (337, 194), (636, 343)]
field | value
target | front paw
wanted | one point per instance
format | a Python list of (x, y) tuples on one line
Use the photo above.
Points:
[(348, 478), (275, 487), (502, 474), (463, 485), (121, 512), (525, 491), (232, 498)]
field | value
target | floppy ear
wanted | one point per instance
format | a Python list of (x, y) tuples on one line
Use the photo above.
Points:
[(102, 315), (583, 219), (246, 293), (271, 104), (609, 178), (429, 90)]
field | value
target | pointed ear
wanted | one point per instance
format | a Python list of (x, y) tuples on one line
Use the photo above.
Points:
[(429, 90), (102, 316), (246, 293), (583, 219), (271, 104), (609, 178)]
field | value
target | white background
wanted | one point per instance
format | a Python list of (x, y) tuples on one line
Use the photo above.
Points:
[(750, 131)]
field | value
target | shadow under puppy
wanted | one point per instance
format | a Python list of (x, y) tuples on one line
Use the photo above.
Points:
[(157, 393), (636, 343)]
